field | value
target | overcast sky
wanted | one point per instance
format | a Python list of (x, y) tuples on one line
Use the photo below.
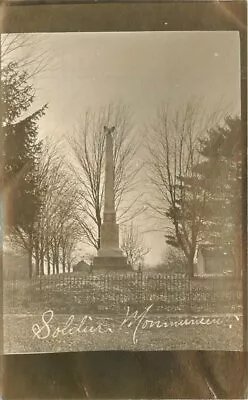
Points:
[(138, 68), (141, 69)]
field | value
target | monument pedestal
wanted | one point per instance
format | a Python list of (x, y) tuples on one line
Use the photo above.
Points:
[(112, 264), (110, 257)]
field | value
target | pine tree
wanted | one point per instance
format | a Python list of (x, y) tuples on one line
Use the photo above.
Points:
[(21, 150), (221, 172), (207, 206)]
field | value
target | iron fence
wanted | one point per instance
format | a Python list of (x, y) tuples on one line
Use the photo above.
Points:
[(172, 293)]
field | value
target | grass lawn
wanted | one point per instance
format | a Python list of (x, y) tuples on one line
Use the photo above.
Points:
[(152, 329), (160, 332)]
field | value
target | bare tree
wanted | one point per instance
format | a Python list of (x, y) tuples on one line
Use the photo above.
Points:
[(55, 232), (55, 229), (30, 51), (179, 197), (88, 147), (60, 208), (133, 246)]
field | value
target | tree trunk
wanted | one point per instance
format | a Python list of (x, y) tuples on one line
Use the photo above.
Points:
[(57, 263), (48, 263), (57, 267), (53, 250), (99, 223), (42, 271), (98, 233), (63, 261), (37, 267), (98, 242), (54, 262), (37, 260), (191, 264), (30, 264)]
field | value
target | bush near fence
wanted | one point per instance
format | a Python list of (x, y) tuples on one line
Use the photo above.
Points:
[(172, 293)]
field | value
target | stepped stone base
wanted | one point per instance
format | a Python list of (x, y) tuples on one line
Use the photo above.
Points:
[(118, 263)]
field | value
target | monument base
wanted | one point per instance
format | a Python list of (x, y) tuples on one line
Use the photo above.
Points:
[(111, 264)]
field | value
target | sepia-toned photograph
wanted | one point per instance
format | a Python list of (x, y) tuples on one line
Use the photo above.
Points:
[(122, 168)]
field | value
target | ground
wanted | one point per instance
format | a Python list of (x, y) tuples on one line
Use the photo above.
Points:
[(52, 315), (28, 334)]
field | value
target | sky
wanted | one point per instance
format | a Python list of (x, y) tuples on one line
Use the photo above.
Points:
[(140, 69)]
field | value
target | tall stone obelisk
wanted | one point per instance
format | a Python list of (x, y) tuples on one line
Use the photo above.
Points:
[(110, 256)]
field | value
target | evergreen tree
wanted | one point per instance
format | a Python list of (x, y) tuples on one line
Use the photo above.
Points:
[(21, 149), (208, 204), (221, 172), (178, 200)]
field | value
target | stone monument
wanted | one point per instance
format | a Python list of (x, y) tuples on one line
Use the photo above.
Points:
[(110, 256)]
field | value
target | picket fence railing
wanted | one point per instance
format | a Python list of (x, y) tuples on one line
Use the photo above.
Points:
[(172, 293)]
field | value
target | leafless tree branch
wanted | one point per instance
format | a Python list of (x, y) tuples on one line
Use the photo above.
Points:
[(88, 150)]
